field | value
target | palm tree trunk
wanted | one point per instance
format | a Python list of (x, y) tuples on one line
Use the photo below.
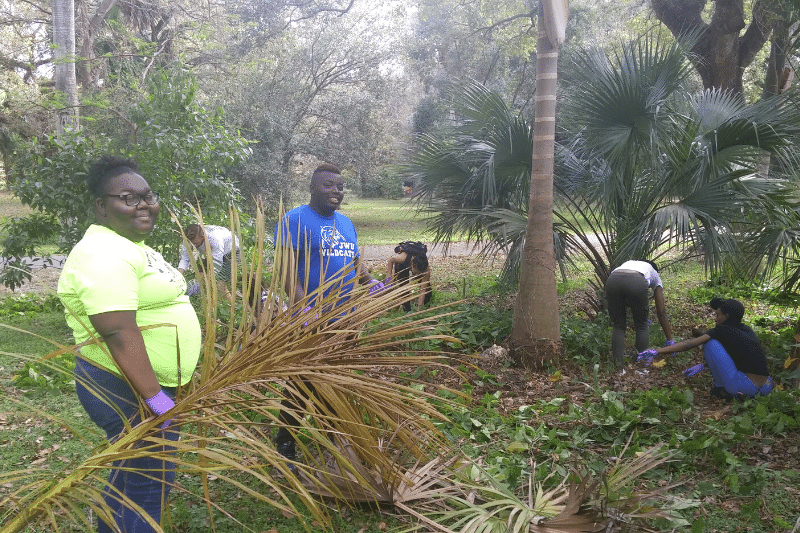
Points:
[(535, 333), (64, 55)]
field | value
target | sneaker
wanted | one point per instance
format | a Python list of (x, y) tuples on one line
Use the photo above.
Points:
[(721, 393)]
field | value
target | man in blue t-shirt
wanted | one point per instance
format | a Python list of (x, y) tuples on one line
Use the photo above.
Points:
[(323, 242), (323, 253)]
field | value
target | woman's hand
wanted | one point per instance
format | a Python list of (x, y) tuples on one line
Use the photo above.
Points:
[(647, 356), (160, 404), (376, 287)]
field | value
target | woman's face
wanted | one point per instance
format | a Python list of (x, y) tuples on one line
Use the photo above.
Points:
[(719, 317), (134, 222)]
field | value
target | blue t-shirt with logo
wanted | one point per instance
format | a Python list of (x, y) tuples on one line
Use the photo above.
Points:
[(330, 243)]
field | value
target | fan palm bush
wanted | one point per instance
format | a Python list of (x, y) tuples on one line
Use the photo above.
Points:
[(643, 166)]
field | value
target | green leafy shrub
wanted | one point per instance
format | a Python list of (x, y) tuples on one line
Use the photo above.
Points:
[(29, 304), (479, 329), (182, 150), (586, 341), (382, 184), (50, 377)]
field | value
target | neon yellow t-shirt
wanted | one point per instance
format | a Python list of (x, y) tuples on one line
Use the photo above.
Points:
[(107, 272)]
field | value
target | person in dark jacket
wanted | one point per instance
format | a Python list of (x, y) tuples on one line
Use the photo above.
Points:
[(732, 352)]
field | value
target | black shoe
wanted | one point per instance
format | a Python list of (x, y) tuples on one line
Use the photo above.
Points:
[(721, 393), (287, 450)]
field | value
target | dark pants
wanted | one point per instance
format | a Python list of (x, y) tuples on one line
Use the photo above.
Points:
[(145, 481), (627, 289)]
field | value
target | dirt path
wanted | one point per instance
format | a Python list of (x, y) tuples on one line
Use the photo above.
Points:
[(375, 255)]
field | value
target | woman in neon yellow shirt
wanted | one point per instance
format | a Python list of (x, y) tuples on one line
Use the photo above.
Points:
[(111, 285)]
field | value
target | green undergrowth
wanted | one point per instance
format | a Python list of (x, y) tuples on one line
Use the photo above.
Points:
[(734, 465)]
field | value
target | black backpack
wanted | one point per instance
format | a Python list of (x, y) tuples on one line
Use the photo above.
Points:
[(411, 248)]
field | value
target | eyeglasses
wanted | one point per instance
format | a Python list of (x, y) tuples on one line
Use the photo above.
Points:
[(150, 198)]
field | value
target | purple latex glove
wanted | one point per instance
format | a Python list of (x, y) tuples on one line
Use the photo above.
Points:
[(306, 310), (647, 356), (670, 342), (193, 288), (693, 371), (376, 287), (160, 404)]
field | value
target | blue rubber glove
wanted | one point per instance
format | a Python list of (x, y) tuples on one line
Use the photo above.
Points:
[(647, 356), (377, 287), (160, 404), (693, 371)]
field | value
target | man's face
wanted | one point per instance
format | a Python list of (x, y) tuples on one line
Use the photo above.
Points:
[(719, 317), (327, 193)]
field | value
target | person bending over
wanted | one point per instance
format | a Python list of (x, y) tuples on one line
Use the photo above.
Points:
[(732, 353), (627, 286), (221, 242), (404, 265)]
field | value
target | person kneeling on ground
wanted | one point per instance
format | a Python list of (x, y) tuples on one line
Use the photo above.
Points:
[(732, 352)]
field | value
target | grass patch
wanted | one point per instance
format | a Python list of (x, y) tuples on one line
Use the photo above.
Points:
[(381, 221), (10, 206)]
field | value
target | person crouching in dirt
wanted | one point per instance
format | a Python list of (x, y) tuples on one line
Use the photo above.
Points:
[(405, 264), (627, 286), (732, 352)]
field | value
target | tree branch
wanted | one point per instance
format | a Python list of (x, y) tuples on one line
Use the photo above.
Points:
[(757, 33), (488, 29)]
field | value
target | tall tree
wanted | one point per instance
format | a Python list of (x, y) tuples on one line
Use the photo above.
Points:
[(535, 331), (722, 51), (64, 59)]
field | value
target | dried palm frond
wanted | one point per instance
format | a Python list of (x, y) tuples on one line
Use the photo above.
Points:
[(228, 412), (628, 507)]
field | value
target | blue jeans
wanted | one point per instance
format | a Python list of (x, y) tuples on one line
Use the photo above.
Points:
[(145, 481), (724, 373)]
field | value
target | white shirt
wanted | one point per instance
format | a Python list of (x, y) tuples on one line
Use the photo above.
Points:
[(644, 268), (219, 239)]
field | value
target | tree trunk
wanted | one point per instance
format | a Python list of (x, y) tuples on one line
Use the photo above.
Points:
[(90, 28), (535, 333), (722, 52), (774, 77), (64, 56)]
